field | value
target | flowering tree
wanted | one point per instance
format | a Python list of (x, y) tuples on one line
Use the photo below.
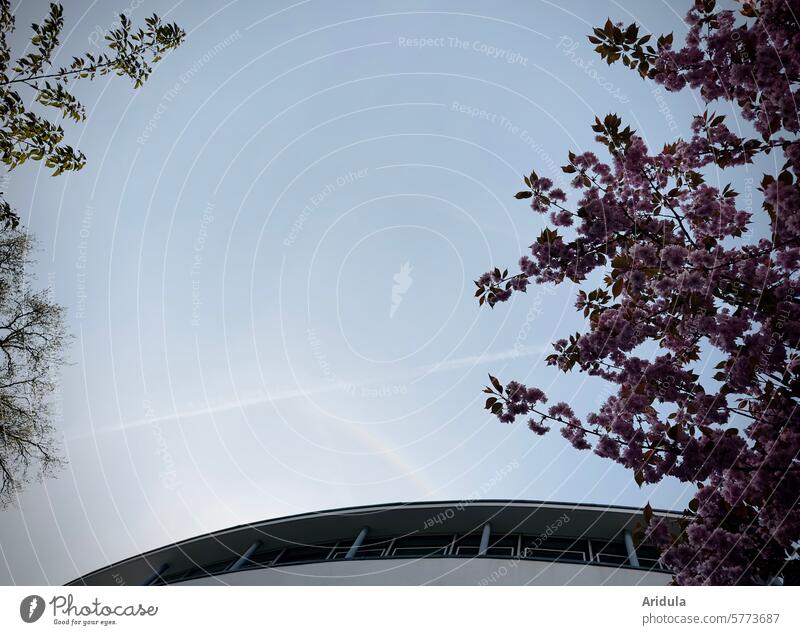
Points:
[(683, 283)]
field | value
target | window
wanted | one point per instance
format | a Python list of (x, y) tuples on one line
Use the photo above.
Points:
[(370, 548), (262, 558), (505, 547), (610, 552), (305, 553), (422, 546), (467, 545), (558, 549), (217, 567), (648, 558), (199, 571)]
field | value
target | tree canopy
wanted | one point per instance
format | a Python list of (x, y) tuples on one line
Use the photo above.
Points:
[(24, 134), (32, 333), (683, 281)]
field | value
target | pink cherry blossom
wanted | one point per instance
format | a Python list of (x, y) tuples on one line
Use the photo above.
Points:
[(678, 272)]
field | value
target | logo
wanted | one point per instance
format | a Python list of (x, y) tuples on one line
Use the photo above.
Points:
[(31, 608), (403, 282)]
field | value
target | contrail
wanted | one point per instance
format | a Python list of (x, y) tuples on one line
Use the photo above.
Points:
[(484, 358), (420, 371), (214, 408)]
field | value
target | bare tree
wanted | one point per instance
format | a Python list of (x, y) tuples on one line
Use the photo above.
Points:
[(32, 338)]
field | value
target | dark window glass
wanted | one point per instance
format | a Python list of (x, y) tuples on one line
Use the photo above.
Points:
[(505, 547), (558, 549), (217, 567), (421, 546), (467, 545), (200, 571), (263, 558), (370, 548), (362, 553), (613, 552), (183, 575), (648, 558), (374, 548), (305, 553)]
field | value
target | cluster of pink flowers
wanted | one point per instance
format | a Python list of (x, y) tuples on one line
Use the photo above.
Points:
[(755, 64), (678, 273)]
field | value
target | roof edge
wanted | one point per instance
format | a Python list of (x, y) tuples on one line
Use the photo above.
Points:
[(379, 507)]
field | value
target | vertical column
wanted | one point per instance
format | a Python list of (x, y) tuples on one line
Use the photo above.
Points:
[(245, 557), (351, 553), (487, 530), (633, 559)]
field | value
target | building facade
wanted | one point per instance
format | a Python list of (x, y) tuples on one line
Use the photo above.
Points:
[(450, 543)]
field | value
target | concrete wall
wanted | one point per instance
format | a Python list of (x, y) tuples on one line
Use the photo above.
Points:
[(444, 571)]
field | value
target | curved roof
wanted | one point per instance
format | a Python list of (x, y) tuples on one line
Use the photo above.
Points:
[(597, 522)]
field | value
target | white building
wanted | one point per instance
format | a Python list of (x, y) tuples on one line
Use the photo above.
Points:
[(491, 542)]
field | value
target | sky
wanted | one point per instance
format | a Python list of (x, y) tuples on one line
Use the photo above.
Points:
[(267, 265)]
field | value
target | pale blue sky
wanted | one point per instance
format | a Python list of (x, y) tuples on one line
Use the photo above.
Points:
[(228, 256)]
